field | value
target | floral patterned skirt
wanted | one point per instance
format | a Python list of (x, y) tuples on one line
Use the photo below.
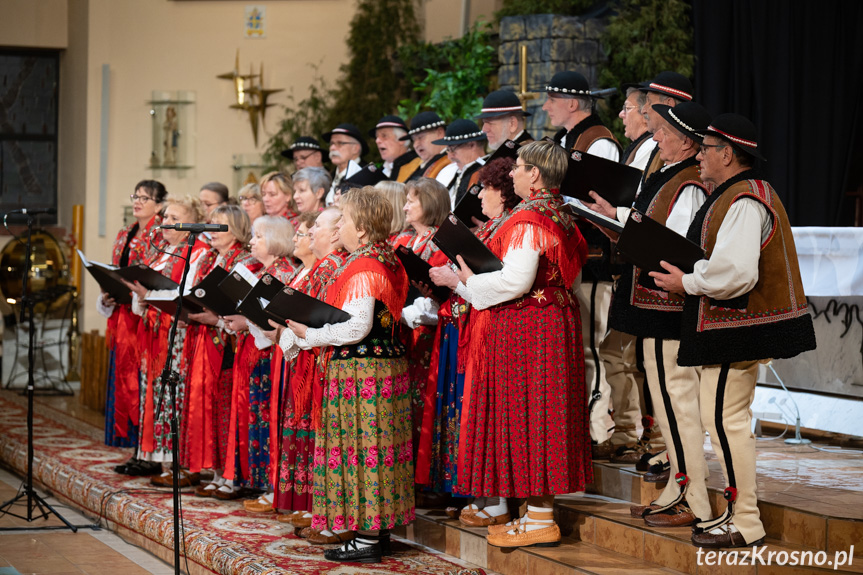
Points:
[(363, 460), (527, 429), (259, 426), (450, 387), (112, 438), (162, 418), (295, 475)]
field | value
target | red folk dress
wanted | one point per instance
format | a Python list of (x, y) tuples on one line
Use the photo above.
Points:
[(207, 411), (527, 427)]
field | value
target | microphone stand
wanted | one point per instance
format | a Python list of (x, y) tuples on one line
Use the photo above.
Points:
[(171, 377), (28, 302)]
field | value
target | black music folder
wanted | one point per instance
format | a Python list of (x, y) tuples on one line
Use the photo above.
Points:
[(169, 306), (238, 283), (578, 209), (470, 206), (251, 307), (455, 239), (418, 271), (644, 242), (108, 279), (147, 277), (301, 308), (207, 293), (615, 182)]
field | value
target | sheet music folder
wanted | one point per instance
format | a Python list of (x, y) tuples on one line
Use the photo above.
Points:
[(301, 308), (147, 277), (644, 242), (251, 307), (418, 271), (454, 238), (108, 279), (207, 293), (615, 182), (576, 208)]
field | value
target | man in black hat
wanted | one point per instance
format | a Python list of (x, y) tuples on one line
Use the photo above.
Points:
[(503, 119), (465, 146), (426, 127), (670, 196), (305, 152), (399, 161), (744, 304), (569, 106), (347, 146)]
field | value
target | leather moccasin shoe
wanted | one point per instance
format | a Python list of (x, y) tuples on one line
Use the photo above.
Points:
[(350, 552), (602, 451), (726, 540), (300, 522), (258, 506), (504, 527), (639, 510), (163, 480), (661, 477), (235, 493), (284, 518), (544, 537), (305, 532), (678, 516), (483, 519), (317, 538)]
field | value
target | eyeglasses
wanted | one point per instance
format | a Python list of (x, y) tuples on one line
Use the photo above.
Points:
[(299, 158), (705, 147), (302, 235), (142, 199), (342, 143), (517, 166), (626, 108), (453, 148), (249, 199)]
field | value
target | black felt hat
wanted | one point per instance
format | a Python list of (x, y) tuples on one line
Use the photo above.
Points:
[(369, 175), (738, 131), (667, 83), (501, 103), (388, 122), (422, 122), (688, 118), (461, 132), (349, 130), (568, 84), (304, 143)]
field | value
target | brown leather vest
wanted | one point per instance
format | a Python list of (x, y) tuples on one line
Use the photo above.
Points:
[(433, 170), (770, 321), (591, 135)]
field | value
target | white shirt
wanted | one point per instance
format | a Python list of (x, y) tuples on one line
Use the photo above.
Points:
[(352, 168), (732, 269), (675, 223), (345, 333), (642, 154), (446, 175)]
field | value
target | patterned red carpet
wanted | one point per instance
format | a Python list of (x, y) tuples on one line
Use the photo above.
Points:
[(220, 536)]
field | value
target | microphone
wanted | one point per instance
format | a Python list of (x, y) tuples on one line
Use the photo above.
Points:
[(32, 212), (196, 228)]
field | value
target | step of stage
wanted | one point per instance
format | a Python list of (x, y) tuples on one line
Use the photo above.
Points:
[(601, 538), (435, 530), (787, 518)]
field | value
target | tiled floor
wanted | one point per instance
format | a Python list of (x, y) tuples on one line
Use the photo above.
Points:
[(61, 552)]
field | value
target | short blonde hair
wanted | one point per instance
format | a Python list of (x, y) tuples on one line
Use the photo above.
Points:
[(283, 183), (278, 232), (547, 157), (433, 197), (394, 192), (238, 221), (371, 212), (188, 203), (250, 192)]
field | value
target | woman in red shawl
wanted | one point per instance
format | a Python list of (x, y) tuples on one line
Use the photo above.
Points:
[(132, 246), (527, 428), (363, 455), (153, 334), (208, 357)]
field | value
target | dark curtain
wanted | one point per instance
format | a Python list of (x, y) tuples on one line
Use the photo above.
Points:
[(796, 70)]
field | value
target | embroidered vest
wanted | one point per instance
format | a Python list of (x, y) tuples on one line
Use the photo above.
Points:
[(404, 166), (770, 321), (638, 307)]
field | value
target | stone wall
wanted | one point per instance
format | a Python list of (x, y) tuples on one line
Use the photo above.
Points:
[(554, 43)]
